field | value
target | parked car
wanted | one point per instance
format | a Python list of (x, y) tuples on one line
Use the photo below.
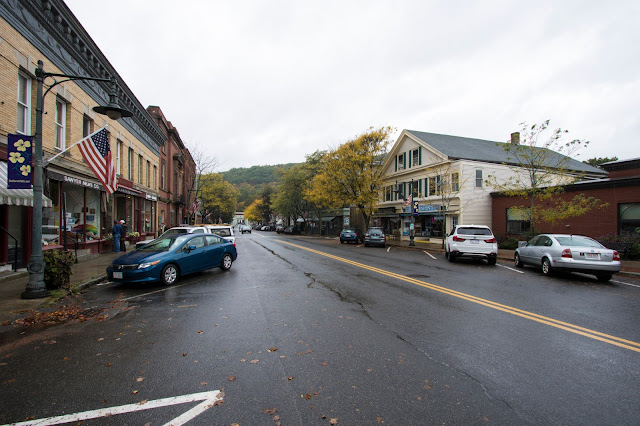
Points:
[(279, 229), (176, 230), (245, 228), (168, 257), (375, 237), (291, 229), (224, 231), (351, 235), (570, 253), (475, 241), (265, 228)]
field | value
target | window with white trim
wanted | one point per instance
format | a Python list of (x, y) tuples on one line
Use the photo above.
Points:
[(118, 156), (415, 157), (24, 104), (61, 119), (87, 126), (140, 169), (479, 179), (455, 182), (130, 164), (401, 161)]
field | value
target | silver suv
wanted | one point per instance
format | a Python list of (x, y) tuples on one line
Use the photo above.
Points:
[(178, 230), (472, 241)]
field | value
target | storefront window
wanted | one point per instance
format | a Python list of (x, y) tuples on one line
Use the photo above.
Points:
[(92, 214), (629, 217), (51, 216)]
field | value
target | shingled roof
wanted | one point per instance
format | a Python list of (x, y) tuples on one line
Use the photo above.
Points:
[(460, 148)]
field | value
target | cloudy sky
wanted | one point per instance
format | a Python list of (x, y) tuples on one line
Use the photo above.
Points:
[(268, 82)]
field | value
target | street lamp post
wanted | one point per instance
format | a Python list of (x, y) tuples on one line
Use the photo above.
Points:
[(36, 287)]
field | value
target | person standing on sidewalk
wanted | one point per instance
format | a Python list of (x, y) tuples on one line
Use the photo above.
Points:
[(123, 246), (117, 232)]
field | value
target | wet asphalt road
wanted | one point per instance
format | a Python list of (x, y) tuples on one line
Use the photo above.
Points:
[(308, 331)]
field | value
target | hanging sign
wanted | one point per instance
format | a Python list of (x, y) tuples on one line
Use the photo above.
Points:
[(19, 161)]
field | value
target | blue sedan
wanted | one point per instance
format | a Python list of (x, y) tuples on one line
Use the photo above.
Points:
[(167, 258)]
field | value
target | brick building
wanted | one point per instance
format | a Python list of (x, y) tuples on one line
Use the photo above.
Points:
[(177, 175), (620, 190), (76, 207)]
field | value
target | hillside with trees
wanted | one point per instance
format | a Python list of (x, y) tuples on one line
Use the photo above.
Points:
[(251, 182)]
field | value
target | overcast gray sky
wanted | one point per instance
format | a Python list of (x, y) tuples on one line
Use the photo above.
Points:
[(267, 82)]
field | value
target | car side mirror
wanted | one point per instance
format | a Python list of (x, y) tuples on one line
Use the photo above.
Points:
[(523, 243)]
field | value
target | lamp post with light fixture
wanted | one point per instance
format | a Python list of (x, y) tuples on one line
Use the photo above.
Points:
[(36, 287)]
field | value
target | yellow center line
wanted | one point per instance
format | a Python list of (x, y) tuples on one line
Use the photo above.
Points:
[(607, 338)]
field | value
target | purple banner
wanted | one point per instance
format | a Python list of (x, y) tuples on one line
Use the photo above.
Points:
[(19, 161)]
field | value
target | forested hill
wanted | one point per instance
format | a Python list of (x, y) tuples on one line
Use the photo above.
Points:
[(251, 181), (255, 175)]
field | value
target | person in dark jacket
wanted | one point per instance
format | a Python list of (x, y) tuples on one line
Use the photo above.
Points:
[(123, 246), (117, 231)]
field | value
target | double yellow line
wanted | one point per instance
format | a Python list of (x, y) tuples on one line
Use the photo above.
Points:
[(592, 334)]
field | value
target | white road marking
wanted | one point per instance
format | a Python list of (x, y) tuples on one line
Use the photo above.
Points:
[(511, 269), (388, 248), (429, 254), (209, 399), (153, 292), (620, 282)]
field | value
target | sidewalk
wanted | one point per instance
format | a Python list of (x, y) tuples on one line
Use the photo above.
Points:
[(89, 270)]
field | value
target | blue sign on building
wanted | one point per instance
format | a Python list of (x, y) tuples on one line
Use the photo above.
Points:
[(423, 208), (19, 161)]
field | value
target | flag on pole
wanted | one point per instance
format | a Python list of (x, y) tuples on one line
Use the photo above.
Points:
[(96, 152), (409, 200)]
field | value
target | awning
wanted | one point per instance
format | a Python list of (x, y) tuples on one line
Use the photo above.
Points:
[(17, 197)]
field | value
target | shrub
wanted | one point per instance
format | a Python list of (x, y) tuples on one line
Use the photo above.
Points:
[(509, 243), (57, 270)]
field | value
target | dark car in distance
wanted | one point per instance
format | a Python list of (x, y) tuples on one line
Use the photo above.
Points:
[(351, 235), (375, 237)]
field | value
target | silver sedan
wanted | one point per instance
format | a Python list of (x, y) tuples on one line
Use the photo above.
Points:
[(569, 253)]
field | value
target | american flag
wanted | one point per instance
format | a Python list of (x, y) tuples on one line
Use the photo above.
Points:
[(96, 152)]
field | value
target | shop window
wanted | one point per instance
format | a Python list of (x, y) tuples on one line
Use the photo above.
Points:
[(415, 157), (628, 218), (130, 164), (479, 179), (87, 126), (140, 169), (402, 161), (518, 221), (118, 156), (455, 182), (24, 104), (61, 120)]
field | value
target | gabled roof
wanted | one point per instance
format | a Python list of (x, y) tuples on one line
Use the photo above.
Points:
[(460, 148)]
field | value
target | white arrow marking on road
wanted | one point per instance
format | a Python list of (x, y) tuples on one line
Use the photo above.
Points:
[(209, 399)]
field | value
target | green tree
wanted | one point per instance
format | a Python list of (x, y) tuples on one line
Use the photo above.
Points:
[(541, 163), (596, 161), (352, 173), (218, 198)]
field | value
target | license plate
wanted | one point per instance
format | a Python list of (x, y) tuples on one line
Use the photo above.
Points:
[(475, 242), (117, 275), (592, 255)]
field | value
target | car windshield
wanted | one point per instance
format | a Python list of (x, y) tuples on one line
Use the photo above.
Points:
[(375, 231), (348, 230), (164, 243), (223, 232), (577, 241), (175, 231), (474, 231)]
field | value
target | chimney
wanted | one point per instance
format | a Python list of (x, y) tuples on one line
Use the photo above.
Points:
[(515, 138)]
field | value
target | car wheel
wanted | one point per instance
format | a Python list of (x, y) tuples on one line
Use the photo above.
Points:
[(341, 241), (546, 267), (491, 260), (604, 277), (366, 244), (169, 274), (517, 261), (452, 257), (227, 261)]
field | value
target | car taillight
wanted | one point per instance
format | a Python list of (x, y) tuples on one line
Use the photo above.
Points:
[(367, 235), (456, 238), (616, 255), (490, 240), (567, 253)]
